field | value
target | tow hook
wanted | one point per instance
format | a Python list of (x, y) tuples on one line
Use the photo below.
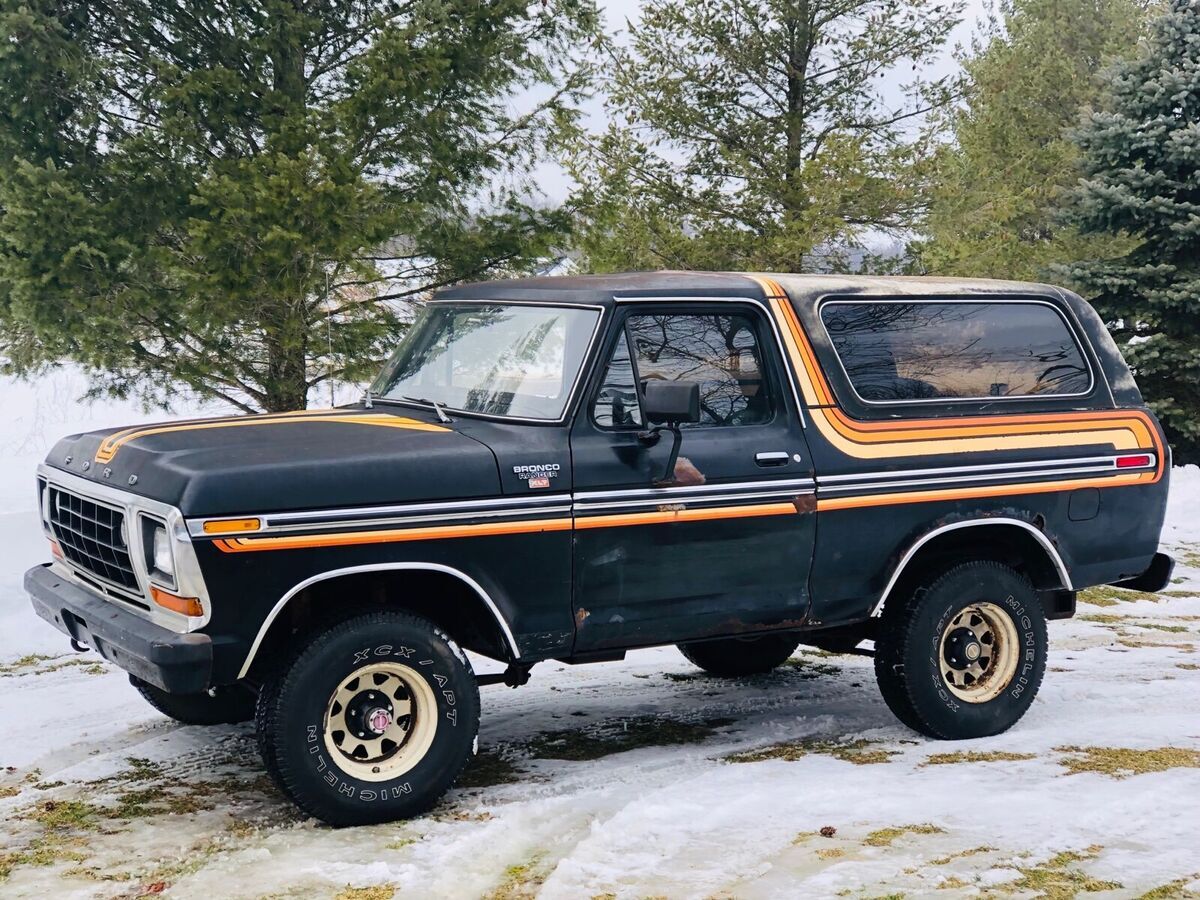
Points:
[(514, 676), (78, 647)]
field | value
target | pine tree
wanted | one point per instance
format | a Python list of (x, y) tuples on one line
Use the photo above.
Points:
[(998, 185), (235, 198), (1141, 177), (760, 134)]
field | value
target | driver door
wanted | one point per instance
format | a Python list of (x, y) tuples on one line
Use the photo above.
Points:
[(725, 551)]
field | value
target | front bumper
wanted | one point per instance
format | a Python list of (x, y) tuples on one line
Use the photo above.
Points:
[(177, 663)]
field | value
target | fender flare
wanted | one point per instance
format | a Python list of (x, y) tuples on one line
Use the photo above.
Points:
[(1051, 552), (379, 567)]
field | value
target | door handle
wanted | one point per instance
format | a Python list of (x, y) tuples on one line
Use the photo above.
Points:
[(774, 458)]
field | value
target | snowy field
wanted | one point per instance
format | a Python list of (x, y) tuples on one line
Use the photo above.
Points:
[(631, 780)]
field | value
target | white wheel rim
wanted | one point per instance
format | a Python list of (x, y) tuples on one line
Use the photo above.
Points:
[(380, 721), (979, 652)]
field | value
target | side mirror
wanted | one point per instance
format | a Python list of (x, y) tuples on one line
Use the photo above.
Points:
[(669, 404)]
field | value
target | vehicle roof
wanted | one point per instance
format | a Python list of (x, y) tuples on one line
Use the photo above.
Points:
[(604, 289)]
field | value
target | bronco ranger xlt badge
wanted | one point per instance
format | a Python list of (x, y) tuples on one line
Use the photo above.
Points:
[(922, 470)]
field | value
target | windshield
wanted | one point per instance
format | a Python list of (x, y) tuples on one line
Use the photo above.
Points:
[(498, 359)]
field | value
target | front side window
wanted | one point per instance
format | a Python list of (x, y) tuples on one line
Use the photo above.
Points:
[(903, 352), (495, 358), (719, 352)]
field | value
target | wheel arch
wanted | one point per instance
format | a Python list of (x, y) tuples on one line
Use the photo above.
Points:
[(475, 609), (1010, 540)]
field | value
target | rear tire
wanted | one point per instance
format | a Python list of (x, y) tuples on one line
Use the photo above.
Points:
[(737, 657), (225, 706), (963, 656), (371, 721)]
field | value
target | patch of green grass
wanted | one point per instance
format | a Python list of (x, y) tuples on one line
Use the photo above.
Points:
[(1103, 618), (605, 739), (976, 756), (810, 669), (860, 752), (831, 853), (378, 892), (1056, 879), (884, 837), (31, 664), (488, 768), (961, 854), (28, 661), (1174, 890), (1107, 595), (1191, 667), (157, 801), (1122, 762), (1178, 593), (65, 815), (42, 851), (521, 881)]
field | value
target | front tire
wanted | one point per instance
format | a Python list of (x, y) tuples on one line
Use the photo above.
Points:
[(963, 656), (372, 721), (227, 705), (738, 657)]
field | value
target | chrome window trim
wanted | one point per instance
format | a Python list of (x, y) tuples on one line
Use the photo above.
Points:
[(999, 300), (788, 372), (189, 580), (580, 375), (378, 567), (1051, 551)]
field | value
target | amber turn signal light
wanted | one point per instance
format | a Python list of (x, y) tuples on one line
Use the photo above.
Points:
[(228, 526), (55, 550), (188, 606)]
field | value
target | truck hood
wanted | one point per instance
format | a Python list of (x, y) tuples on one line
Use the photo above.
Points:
[(264, 463)]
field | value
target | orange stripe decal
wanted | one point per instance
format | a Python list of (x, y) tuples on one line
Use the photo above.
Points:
[(528, 526), (111, 444)]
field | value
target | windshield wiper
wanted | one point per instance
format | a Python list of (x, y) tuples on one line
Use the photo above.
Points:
[(437, 407)]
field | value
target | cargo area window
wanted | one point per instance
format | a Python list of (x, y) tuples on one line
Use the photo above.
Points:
[(720, 352), (899, 352)]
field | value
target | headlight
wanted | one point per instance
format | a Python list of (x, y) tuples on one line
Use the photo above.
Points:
[(160, 554), (45, 504), (163, 560)]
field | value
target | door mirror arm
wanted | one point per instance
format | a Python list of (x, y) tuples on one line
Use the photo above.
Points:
[(667, 405)]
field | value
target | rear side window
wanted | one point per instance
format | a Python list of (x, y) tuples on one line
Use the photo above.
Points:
[(903, 352)]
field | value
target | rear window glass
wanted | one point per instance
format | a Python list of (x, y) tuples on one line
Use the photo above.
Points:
[(904, 352)]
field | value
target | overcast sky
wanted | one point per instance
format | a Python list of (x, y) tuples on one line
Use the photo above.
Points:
[(553, 180)]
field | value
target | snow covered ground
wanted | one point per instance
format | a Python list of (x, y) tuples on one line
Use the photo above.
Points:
[(634, 779)]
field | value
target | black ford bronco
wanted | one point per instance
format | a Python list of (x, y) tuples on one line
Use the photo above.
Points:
[(569, 468)]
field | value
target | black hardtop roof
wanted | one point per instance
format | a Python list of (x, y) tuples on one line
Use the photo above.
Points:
[(605, 289)]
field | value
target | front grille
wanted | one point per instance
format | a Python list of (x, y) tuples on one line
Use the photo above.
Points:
[(92, 537)]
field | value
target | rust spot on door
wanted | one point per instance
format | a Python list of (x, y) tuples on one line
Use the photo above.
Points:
[(805, 503)]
